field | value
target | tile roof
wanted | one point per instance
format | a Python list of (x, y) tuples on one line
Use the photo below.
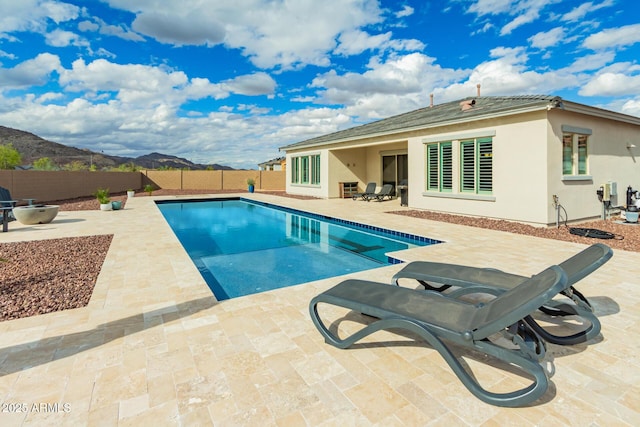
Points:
[(440, 113)]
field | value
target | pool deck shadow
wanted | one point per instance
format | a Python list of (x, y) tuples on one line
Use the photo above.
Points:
[(21, 356), (153, 346)]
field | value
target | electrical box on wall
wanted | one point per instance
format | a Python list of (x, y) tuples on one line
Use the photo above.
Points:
[(606, 193), (614, 188)]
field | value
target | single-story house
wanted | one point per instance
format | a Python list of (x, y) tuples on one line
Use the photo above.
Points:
[(508, 157), (277, 164)]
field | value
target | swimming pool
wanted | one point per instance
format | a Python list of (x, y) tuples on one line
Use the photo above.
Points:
[(242, 247)]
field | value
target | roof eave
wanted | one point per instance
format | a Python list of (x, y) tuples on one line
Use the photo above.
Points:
[(599, 112)]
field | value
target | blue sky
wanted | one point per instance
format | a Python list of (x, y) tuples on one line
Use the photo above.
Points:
[(230, 82)]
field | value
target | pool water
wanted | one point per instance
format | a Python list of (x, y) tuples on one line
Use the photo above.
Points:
[(243, 247)]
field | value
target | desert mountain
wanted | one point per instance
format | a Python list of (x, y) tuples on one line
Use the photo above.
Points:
[(31, 147)]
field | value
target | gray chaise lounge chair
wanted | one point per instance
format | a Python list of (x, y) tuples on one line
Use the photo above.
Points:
[(385, 191), (441, 320), (370, 190), (471, 280)]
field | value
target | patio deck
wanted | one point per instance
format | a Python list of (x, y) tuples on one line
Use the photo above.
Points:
[(154, 346)]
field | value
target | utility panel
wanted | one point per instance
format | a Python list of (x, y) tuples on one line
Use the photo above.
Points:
[(606, 193)]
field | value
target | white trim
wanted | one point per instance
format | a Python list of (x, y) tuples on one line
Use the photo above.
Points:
[(459, 136), (463, 196), (577, 178), (306, 185)]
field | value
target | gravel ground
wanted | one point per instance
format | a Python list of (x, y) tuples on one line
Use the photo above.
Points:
[(49, 275), (58, 274), (627, 236)]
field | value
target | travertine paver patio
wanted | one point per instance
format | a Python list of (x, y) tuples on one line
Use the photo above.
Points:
[(153, 347)]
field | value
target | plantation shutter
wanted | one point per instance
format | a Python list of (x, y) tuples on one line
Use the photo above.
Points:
[(304, 168), (295, 167), (446, 161), (432, 167), (315, 169), (467, 166), (582, 154), (485, 165)]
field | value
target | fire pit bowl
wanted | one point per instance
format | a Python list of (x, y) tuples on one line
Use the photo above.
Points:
[(35, 214)]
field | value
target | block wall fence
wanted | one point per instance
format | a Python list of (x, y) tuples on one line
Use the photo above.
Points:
[(60, 185)]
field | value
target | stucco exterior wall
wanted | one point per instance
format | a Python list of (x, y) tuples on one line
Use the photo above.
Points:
[(321, 190), (609, 160), (519, 175)]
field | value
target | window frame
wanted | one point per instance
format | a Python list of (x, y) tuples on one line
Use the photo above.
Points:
[(575, 154), (306, 169), (476, 164), (439, 162)]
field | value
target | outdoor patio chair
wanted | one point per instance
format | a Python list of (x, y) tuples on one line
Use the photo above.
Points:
[(7, 204), (472, 280), (443, 321), (370, 190), (385, 191)]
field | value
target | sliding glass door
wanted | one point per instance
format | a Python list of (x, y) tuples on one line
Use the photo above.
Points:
[(395, 169)]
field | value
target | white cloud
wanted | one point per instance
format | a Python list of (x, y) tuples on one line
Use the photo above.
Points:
[(401, 83), (33, 15), (192, 28), (121, 32), (61, 38), (251, 84), (486, 27), (632, 107), (88, 26), (285, 35), (490, 7), (525, 17), (612, 84), (356, 41), (4, 54), (614, 37), (508, 74), (406, 11), (521, 12), (100, 26), (102, 75), (543, 40), (33, 72), (579, 12), (592, 62)]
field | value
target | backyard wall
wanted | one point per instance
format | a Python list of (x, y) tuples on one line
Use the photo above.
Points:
[(59, 185), (214, 180)]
